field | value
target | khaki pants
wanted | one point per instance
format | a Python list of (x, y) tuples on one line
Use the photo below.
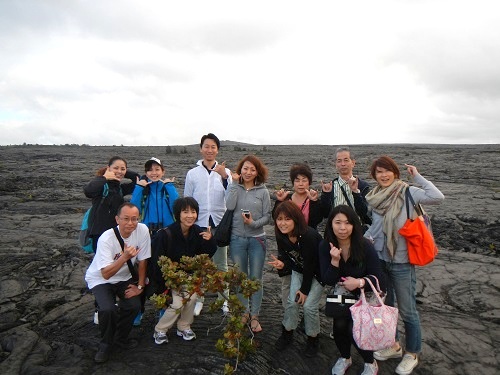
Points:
[(186, 315)]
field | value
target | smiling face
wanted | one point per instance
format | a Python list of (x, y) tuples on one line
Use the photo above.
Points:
[(119, 168), (285, 224), (341, 226), (155, 172), (301, 184), (384, 177), (188, 217), (127, 220), (209, 151), (248, 172)]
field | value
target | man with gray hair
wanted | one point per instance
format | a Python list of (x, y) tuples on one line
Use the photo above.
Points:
[(346, 188)]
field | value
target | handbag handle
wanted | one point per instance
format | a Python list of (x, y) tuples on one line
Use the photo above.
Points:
[(375, 291), (378, 284), (416, 207)]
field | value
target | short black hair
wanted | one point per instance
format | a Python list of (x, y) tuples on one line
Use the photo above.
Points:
[(126, 204), (181, 204), (210, 136)]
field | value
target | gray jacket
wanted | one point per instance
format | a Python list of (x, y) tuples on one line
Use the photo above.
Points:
[(429, 194), (257, 201)]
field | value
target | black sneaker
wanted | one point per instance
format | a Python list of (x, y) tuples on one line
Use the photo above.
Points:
[(102, 354)]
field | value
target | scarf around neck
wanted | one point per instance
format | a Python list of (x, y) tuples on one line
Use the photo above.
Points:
[(388, 203)]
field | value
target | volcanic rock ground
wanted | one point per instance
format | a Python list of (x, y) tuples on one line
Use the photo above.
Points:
[(46, 310)]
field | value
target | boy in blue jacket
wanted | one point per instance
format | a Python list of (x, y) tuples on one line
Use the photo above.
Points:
[(154, 195)]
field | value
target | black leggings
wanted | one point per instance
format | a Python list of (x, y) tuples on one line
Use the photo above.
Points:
[(342, 333)]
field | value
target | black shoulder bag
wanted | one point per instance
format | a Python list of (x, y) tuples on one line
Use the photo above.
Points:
[(131, 268), (223, 231)]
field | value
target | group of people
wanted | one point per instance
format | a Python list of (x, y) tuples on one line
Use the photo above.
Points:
[(360, 240)]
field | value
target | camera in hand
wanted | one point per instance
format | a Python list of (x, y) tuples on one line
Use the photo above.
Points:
[(297, 297), (246, 213)]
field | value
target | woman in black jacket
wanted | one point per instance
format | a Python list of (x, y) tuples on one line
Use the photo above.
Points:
[(311, 207), (182, 238), (298, 249), (345, 258), (107, 191)]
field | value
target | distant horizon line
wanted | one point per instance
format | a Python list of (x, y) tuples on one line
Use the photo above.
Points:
[(236, 143)]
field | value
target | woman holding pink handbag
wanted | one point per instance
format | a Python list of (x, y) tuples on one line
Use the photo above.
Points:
[(345, 258), (387, 205)]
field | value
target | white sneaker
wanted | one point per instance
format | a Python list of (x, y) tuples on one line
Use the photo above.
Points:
[(370, 368), (197, 308), (187, 334), (96, 318), (388, 353), (407, 365), (341, 366), (225, 308), (160, 337)]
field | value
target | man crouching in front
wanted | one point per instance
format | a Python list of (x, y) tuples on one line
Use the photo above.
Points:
[(109, 276)]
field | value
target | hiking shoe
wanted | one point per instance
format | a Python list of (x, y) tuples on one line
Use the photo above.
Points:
[(160, 337), (187, 334), (407, 365), (137, 320), (370, 368), (197, 308), (96, 317), (341, 366), (387, 353), (225, 308), (102, 354)]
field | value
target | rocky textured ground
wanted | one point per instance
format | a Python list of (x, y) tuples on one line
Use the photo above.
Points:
[(46, 311)]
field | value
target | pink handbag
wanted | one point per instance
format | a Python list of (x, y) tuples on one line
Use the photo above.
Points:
[(374, 325)]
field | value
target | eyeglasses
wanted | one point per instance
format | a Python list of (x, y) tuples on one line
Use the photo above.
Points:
[(129, 220)]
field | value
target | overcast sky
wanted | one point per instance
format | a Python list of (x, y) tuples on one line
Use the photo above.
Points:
[(264, 72)]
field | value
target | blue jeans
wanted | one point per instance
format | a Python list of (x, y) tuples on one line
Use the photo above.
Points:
[(311, 306), (401, 288), (249, 254)]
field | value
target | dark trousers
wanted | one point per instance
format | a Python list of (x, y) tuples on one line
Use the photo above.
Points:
[(115, 320), (342, 333)]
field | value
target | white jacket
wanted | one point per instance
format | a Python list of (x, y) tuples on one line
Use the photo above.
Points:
[(208, 190)]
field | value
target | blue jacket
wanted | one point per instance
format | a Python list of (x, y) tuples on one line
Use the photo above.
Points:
[(155, 203)]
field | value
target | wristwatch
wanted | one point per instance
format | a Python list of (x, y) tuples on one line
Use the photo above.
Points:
[(140, 287)]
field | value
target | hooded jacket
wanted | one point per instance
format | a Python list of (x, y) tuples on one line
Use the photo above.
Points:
[(155, 203)]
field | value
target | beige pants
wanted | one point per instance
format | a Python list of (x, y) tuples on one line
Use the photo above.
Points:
[(185, 317)]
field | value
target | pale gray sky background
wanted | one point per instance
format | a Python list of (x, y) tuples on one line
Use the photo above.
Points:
[(265, 72)]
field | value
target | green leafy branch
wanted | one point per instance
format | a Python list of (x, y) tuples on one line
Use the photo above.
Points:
[(200, 275)]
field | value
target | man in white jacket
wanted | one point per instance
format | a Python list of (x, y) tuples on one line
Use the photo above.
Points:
[(207, 183)]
